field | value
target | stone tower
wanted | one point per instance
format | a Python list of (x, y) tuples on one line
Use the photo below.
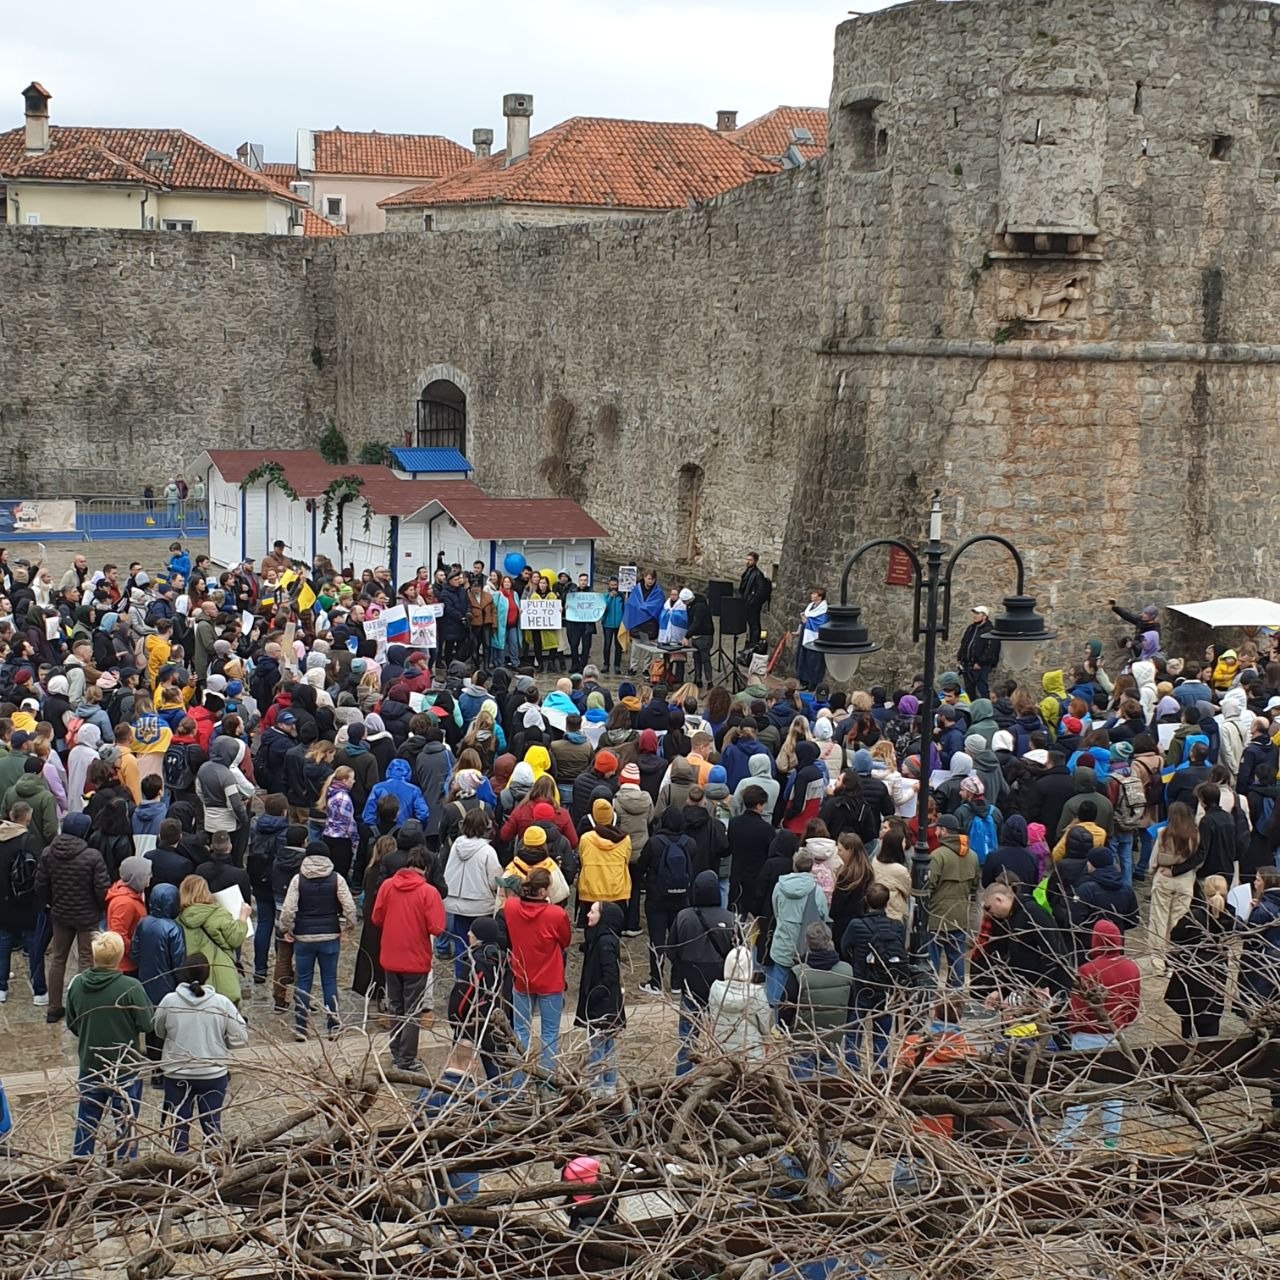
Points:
[(1050, 240)]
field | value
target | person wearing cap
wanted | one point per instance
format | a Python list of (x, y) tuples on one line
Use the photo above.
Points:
[(979, 654), (275, 561), (604, 851)]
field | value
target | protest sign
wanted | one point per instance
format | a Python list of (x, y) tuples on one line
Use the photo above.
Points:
[(375, 629), (422, 626), (537, 614), (584, 606), (627, 578), (396, 623)]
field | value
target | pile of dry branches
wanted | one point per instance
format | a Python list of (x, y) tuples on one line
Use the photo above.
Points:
[(736, 1170)]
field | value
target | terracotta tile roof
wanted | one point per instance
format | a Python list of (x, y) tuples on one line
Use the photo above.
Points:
[(388, 155), (87, 162), (314, 225), (770, 135), (170, 158), (484, 517), (280, 172), (480, 515), (589, 161)]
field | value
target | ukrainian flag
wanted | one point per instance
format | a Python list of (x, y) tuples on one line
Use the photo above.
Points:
[(306, 594)]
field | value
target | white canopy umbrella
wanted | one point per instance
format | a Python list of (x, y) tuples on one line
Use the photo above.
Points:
[(1233, 611)]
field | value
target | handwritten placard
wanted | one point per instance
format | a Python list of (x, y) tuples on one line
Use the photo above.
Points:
[(422, 626), (584, 606), (538, 614), (627, 578)]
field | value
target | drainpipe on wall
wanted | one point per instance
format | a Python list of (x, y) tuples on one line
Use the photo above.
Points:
[(142, 211)]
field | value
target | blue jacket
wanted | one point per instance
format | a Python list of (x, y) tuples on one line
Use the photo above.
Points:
[(612, 619), (735, 760), (158, 948), (951, 741), (397, 784), (181, 563), (148, 816), (470, 700)]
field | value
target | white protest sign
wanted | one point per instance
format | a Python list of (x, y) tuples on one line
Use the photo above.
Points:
[(539, 614), (375, 629), (627, 578), (422, 626)]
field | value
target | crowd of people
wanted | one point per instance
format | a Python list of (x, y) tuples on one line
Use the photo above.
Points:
[(201, 807)]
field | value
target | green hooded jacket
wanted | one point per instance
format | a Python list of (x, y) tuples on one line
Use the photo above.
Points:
[(107, 1010), (208, 928)]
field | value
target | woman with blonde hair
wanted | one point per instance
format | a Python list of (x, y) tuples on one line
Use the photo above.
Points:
[(797, 732), (207, 928), (481, 738), (903, 791)]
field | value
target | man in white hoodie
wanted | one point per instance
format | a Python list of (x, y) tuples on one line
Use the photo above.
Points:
[(759, 774)]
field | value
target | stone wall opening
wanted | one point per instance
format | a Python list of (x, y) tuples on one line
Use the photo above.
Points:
[(442, 417), (864, 138), (688, 508)]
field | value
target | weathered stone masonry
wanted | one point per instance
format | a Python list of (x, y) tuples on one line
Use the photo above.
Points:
[(1036, 269)]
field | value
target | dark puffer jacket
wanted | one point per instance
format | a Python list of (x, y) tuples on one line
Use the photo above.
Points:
[(72, 881)]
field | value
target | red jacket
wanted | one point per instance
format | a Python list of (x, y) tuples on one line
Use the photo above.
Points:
[(1108, 980), (124, 908), (539, 933), (521, 818), (205, 724), (410, 913), (282, 701)]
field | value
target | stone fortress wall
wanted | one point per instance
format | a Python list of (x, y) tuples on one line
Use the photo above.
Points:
[(1035, 269)]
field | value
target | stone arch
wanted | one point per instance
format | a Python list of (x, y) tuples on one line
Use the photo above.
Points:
[(688, 512), (437, 373)]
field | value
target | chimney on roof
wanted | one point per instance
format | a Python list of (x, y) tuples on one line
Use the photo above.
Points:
[(35, 98), (726, 121), (518, 109), (482, 141)]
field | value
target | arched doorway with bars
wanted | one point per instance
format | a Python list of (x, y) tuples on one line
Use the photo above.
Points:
[(441, 417)]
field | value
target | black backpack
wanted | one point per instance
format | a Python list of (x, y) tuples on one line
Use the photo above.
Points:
[(22, 872), (176, 767), (263, 847), (674, 872), (887, 962)]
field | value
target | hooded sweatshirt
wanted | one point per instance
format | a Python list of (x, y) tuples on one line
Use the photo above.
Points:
[(953, 876), (807, 786), (605, 875), (759, 774), (634, 808), (742, 1021), (1108, 992), (158, 948), (318, 903), (824, 863), (471, 875), (199, 1032), (410, 914), (221, 786), (798, 900), (701, 937), (80, 757), (107, 1011), (1051, 705), (126, 905), (398, 783), (539, 933), (1085, 781)]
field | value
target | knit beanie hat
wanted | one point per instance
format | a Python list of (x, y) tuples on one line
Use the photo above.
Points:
[(602, 813), (606, 764), (543, 812), (631, 774), (534, 837)]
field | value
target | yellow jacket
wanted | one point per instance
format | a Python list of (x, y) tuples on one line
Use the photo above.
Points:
[(605, 875), (157, 649)]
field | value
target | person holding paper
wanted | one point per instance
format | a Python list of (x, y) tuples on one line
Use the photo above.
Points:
[(210, 929), (220, 873)]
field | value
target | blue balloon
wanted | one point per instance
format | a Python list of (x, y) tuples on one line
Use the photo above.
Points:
[(513, 564)]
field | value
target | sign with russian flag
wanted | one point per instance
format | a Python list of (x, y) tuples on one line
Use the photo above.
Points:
[(396, 621)]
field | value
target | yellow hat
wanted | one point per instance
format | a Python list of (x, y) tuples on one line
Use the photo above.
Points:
[(534, 837), (602, 812)]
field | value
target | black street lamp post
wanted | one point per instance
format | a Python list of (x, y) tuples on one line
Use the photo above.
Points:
[(844, 641)]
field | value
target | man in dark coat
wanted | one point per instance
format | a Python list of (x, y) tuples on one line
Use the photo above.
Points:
[(979, 654), (755, 590), (1024, 951), (1103, 895), (701, 936), (455, 624), (750, 835), (1047, 795)]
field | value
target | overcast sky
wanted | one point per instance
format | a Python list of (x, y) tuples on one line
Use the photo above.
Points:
[(243, 70)]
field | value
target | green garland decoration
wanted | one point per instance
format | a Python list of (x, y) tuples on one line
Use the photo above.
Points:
[(272, 473)]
